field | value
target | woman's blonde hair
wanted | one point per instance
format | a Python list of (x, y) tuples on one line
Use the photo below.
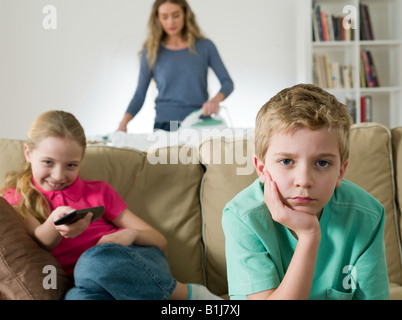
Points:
[(191, 31), (306, 106), (58, 124)]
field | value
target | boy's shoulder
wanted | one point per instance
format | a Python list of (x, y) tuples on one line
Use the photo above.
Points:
[(351, 196), (248, 200)]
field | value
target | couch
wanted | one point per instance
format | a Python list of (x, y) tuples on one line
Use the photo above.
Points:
[(181, 190)]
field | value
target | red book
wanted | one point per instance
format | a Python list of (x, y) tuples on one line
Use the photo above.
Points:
[(363, 109), (324, 26)]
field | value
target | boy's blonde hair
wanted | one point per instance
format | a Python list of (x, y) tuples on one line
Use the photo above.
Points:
[(57, 124), (302, 106)]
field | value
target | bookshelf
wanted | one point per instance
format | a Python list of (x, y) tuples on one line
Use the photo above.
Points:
[(361, 66)]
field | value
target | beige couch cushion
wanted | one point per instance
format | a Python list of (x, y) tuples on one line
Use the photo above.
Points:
[(166, 195), (11, 157), (229, 169), (397, 152), (371, 167)]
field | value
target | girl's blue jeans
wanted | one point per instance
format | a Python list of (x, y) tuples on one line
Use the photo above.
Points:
[(112, 271)]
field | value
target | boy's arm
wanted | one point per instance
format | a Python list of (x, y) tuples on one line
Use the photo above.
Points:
[(298, 279)]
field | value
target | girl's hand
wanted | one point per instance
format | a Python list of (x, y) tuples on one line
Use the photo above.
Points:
[(300, 222), (70, 230), (125, 237)]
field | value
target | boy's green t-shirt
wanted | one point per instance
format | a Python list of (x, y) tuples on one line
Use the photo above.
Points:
[(351, 260)]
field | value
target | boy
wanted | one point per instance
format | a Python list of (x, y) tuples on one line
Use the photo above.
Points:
[(300, 231)]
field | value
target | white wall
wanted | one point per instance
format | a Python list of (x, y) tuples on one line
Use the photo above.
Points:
[(89, 64)]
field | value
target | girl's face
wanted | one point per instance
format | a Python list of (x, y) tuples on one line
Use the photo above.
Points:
[(55, 162), (171, 18)]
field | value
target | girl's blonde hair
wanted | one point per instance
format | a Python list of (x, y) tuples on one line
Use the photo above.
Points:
[(305, 106), (191, 31), (57, 124)]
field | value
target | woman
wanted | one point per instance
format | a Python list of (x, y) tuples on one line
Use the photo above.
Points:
[(177, 56)]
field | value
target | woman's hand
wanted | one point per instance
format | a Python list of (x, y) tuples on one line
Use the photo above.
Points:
[(122, 127), (123, 123), (210, 107)]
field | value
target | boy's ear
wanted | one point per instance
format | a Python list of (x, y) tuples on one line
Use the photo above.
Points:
[(259, 167), (342, 172), (27, 153)]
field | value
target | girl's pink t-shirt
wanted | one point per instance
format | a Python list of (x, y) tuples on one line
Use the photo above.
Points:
[(80, 195)]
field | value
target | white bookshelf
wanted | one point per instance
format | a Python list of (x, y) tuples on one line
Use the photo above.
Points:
[(386, 49)]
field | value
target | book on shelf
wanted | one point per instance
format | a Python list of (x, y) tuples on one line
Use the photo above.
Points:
[(368, 71), (329, 27), (335, 75), (331, 75), (366, 30), (366, 109)]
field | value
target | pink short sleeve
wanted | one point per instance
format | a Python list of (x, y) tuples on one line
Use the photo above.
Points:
[(12, 197)]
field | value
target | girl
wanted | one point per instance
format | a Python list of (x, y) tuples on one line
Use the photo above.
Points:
[(119, 256), (177, 56)]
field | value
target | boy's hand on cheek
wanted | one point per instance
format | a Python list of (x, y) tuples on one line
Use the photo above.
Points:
[(300, 222)]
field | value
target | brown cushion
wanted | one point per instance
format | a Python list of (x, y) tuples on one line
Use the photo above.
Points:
[(22, 262)]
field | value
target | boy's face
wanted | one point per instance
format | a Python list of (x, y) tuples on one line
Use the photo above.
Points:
[(306, 166)]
